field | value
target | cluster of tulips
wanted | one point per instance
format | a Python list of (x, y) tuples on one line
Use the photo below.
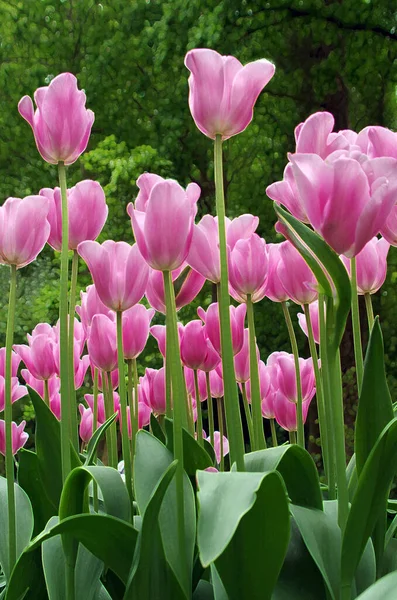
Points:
[(344, 186)]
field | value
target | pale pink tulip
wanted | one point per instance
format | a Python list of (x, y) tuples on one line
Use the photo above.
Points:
[(91, 305), (17, 391), (102, 343), (15, 360), (89, 398), (39, 357), (248, 265), (315, 321), (187, 284), (19, 437), (371, 266), (275, 290), (136, 325), (212, 329), (296, 276)]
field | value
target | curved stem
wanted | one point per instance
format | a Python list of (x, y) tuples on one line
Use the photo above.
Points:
[(257, 419), (358, 350), (221, 430), (294, 347), (9, 460), (370, 311), (319, 392), (232, 406), (274, 433), (248, 417), (125, 444), (210, 409), (63, 328), (199, 427), (72, 391)]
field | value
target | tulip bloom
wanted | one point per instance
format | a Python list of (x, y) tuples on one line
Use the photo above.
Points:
[(216, 383), (389, 229), (266, 382), (86, 423), (296, 276), (248, 269), (229, 108), (202, 385), (187, 284), (316, 136), (197, 351), (61, 124), (242, 360), (159, 334), (17, 391), (54, 384), (87, 212), (102, 344), (286, 194), (39, 357), (217, 448), (315, 321), (15, 360), (136, 324), (212, 329), (153, 389), (163, 231), (119, 272), (91, 305), (275, 290), (24, 229), (89, 398), (19, 437), (371, 266), (144, 412)]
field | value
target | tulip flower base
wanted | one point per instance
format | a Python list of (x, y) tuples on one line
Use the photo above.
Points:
[(146, 488)]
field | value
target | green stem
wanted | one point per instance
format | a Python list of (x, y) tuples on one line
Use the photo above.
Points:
[(199, 423), (221, 430), (74, 436), (232, 406), (63, 328), (319, 392), (168, 387), (111, 432), (135, 398), (358, 350), (274, 433), (294, 347), (46, 393), (179, 409), (292, 437), (210, 409), (94, 426), (9, 460), (257, 419), (248, 417), (123, 406), (370, 311)]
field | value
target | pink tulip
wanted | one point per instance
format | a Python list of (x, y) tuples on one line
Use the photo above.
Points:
[(87, 210), (286, 194), (46, 329), (79, 334), (212, 329), (248, 265), (286, 376), (187, 284), (91, 305), (80, 369), (114, 377), (145, 183), (217, 445), (229, 108), (136, 325), (315, 136), (15, 360), (86, 423), (197, 351), (159, 334), (377, 142), (265, 383), (24, 229), (153, 389), (164, 230), (61, 124), (144, 412), (371, 265), (102, 343), (39, 357), (216, 383), (202, 385), (119, 272), (38, 384), (285, 412), (17, 391), (242, 362), (389, 229), (89, 398), (315, 321), (204, 251), (274, 287), (19, 437), (296, 277), (346, 201)]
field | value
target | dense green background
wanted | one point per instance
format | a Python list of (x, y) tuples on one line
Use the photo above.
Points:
[(331, 55)]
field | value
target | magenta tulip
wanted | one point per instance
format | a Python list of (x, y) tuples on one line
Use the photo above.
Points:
[(39, 357), (211, 320), (89, 398), (19, 437), (164, 230), (91, 305), (144, 412), (17, 391), (152, 390), (275, 290), (159, 334), (102, 344), (315, 321), (296, 277), (61, 124), (241, 360), (24, 229), (202, 385), (371, 266), (196, 347), (248, 264), (228, 108), (187, 284), (136, 325), (86, 423), (286, 377), (114, 377), (15, 361), (87, 210), (119, 272), (216, 383)]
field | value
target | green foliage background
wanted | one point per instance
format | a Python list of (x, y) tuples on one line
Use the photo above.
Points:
[(128, 56)]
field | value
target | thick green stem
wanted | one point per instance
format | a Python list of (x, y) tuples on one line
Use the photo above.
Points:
[(94, 427), (232, 406), (248, 417), (179, 408), (274, 433), (136, 399), (111, 432), (63, 329), (9, 460), (319, 392), (125, 444), (46, 393), (199, 423), (370, 311), (210, 409), (74, 436), (221, 430), (358, 350), (294, 347), (167, 360), (257, 419), (292, 437)]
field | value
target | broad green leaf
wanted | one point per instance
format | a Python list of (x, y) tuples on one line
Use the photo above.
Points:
[(156, 429), (204, 591), (368, 502), (151, 575), (24, 523), (151, 461), (351, 476), (29, 479), (27, 579), (243, 526), (296, 467), (195, 457), (94, 441), (383, 589)]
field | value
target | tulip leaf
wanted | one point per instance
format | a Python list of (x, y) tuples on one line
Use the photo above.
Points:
[(24, 523), (368, 502), (152, 459), (243, 527), (384, 588), (195, 457), (48, 448), (156, 429), (151, 575), (95, 439), (29, 479), (204, 591), (296, 467), (27, 579)]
